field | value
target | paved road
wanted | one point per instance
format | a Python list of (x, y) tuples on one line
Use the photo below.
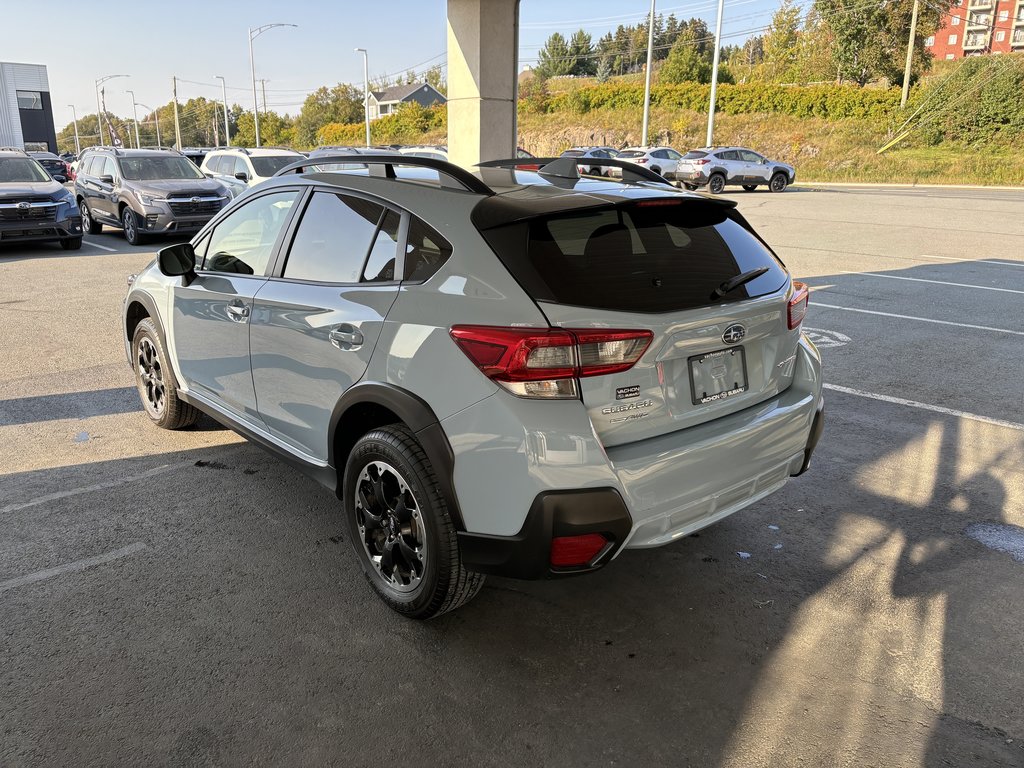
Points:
[(187, 599)]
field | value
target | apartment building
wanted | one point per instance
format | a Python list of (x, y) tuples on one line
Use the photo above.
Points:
[(976, 27)]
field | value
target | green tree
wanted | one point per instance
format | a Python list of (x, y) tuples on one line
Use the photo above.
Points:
[(604, 70), (685, 63), (555, 57), (341, 104), (274, 129), (780, 41), (435, 77), (581, 50)]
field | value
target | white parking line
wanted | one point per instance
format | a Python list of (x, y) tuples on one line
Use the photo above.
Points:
[(975, 261), (101, 247), (935, 282), (78, 565), (919, 319), (91, 488), (925, 407)]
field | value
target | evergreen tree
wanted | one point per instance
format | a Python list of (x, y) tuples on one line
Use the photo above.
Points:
[(685, 63), (581, 49), (555, 58)]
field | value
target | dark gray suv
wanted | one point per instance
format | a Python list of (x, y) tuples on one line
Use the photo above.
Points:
[(145, 192)]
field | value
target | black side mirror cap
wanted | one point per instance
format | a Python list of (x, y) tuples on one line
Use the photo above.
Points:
[(178, 260), (60, 179), (106, 179), (242, 176)]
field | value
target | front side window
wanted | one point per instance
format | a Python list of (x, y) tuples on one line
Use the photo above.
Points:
[(751, 157), (673, 155), (109, 168), (241, 167), (243, 242), (30, 100), (334, 238), (158, 168), (271, 164)]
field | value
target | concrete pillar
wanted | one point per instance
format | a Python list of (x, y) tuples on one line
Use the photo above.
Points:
[(483, 43)]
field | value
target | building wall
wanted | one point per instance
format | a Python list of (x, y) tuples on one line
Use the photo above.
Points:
[(977, 27), (18, 126)]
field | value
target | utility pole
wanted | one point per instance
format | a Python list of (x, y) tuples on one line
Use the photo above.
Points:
[(99, 112), (177, 125), (254, 33), (366, 94), (263, 89), (74, 116), (135, 119), (647, 80), (714, 73), (910, 55), (224, 94)]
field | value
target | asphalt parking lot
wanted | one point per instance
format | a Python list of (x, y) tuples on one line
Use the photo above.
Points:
[(186, 599)]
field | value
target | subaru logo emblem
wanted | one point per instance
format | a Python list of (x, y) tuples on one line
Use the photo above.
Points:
[(195, 200), (734, 334), (24, 206)]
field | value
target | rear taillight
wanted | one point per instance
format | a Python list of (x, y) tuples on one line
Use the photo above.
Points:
[(798, 304), (642, 160), (569, 551), (546, 362), (701, 162)]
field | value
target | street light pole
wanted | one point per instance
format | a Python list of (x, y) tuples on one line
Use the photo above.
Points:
[(99, 116), (156, 115), (224, 93), (366, 93), (253, 34), (647, 80), (135, 119), (74, 116), (714, 73)]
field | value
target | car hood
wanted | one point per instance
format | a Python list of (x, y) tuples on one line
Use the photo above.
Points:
[(24, 188), (179, 187)]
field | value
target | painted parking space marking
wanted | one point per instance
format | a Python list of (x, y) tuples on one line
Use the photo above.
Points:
[(996, 262), (78, 565), (846, 252), (936, 282), (925, 406), (101, 247), (824, 339), (919, 319)]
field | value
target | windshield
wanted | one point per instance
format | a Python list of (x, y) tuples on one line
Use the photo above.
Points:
[(632, 153), (271, 164), (14, 169), (157, 168)]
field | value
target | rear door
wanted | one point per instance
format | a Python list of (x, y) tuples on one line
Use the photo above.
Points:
[(316, 321), (212, 314), (654, 265)]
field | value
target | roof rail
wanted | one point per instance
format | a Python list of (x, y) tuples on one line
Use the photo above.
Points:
[(104, 148), (383, 166), (13, 149), (568, 167), (271, 146)]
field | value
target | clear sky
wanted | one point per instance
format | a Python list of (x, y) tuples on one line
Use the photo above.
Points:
[(198, 40)]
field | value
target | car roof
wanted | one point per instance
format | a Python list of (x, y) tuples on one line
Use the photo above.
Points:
[(118, 152)]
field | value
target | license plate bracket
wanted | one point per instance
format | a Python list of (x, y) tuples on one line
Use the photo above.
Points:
[(717, 375)]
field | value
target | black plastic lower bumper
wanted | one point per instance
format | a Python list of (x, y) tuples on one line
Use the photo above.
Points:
[(817, 427), (527, 554), (28, 230)]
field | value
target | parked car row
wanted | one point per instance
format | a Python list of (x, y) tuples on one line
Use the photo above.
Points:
[(35, 205)]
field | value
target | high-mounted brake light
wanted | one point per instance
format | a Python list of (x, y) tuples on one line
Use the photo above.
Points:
[(658, 203), (546, 362), (798, 304)]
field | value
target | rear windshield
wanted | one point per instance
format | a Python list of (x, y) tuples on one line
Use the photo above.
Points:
[(157, 168), (573, 153), (693, 154), (632, 153), (271, 164), (636, 258)]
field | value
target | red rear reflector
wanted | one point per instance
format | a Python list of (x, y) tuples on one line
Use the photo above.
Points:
[(576, 550), (798, 304)]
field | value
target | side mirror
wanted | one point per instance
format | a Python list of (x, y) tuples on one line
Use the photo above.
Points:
[(106, 179), (242, 176), (61, 179), (178, 260)]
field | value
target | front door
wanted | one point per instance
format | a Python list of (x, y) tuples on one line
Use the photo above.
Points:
[(756, 167), (315, 323), (210, 325)]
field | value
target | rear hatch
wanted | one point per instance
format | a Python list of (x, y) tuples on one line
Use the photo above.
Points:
[(655, 265), (692, 162)]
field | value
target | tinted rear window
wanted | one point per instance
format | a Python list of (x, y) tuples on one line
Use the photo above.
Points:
[(268, 165), (631, 153), (573, 153), (655, 258), (694, 155)]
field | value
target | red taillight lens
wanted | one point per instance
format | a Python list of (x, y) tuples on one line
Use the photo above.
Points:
[(545, 362), (798, 304), (642, 160), (701, 162), (576, 550)]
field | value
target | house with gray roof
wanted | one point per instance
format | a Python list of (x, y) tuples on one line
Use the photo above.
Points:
[(387, 101)]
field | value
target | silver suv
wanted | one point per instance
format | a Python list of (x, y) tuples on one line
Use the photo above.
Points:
[(238, 168), (714, 167), (506, 372)]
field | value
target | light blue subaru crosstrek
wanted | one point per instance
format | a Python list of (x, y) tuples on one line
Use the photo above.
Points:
[(506, 372)]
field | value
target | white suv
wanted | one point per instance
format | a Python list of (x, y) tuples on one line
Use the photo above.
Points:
[(509, 372), (238, 168), (661, 160)]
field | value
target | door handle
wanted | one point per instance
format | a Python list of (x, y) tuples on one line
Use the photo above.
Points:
[(346, 336), (238, 311)]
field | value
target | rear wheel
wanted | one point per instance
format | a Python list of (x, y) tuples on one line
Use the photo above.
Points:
[(656, 169), (89, 224), (401, 528), (71, 243), (749, 187), (155, 380), (778, 183), (716, 183)]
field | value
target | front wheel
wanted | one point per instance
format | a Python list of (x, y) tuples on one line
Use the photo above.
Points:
[(400, 526), (130, 224), (89, 224), (778, 183), (155, 380), (716, 183)]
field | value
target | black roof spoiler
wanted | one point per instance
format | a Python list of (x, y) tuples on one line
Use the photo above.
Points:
[(568, 167), (383, 166)]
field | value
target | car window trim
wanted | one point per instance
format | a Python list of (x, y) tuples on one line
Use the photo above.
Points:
[(275, 249), (278, 263)]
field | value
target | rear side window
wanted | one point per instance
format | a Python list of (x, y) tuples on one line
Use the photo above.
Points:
[(425, 251), (636, 258)]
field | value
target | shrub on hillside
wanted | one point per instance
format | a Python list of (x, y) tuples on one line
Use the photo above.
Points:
[(408, 125)]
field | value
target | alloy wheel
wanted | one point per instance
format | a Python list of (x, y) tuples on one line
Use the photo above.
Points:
[(717, 184), (391, 526), (778, 182), (128, 222), (86, 217), (151, 377)]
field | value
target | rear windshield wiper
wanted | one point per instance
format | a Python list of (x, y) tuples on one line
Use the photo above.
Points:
[(735, 282)]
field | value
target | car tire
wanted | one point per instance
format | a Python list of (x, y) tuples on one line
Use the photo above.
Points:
[(155, 380), (130, 225), (89, 224), (656, 169), (749, 187), (690, 187), (71, 243), (778, 183), (407, 548), (716, 184)]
